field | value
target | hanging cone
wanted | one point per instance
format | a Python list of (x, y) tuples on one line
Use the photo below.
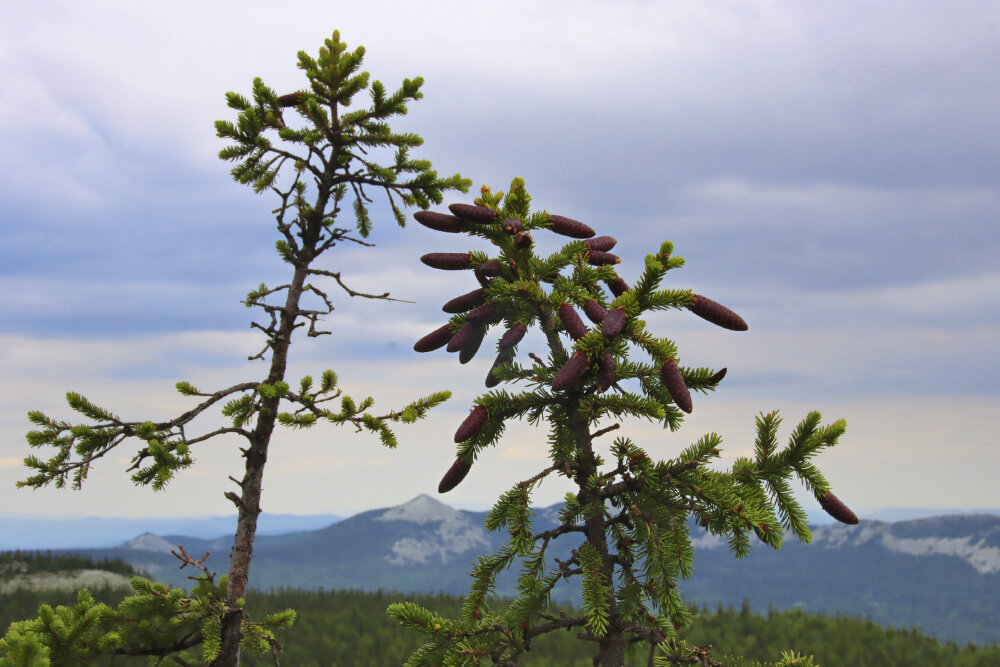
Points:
[(833, 506), (670, 375), (617, 286), (574, 325), (447, 261), (472, 424), (291, 100), (456, 473), (484, 313), (440, 222), (602, 243), (487, 270), (599, 258), (490, 269), (512, 226), (503, 357), (570, 228), (476, 214), (513, 335), (471, 346), (594, 311), (613, 323), (460, 304), (571, 372), (605, 372), (434, 339), (716, 313), (522, 240), (717, 377), (461, 337)]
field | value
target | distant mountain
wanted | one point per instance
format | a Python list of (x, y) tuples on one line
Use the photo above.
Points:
[(422, 545), (908, 513), (941, 574), (26, 532)]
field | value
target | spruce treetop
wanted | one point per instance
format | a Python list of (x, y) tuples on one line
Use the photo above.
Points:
[(332, 145), (631, 519)]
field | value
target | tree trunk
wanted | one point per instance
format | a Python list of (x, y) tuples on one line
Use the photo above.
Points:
[(256, 457), (612, 652), (612, 645)]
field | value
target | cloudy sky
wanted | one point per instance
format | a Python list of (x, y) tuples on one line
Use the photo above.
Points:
[(828, 170)]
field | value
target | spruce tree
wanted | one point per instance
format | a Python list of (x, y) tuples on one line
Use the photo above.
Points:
[(312, 152), (633, 515)]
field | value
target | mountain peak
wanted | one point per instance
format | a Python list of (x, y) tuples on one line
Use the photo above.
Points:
[(422, 509), (454, 534), (149, 542)]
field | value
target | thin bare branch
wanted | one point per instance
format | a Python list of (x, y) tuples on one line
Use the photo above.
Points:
[(613, 427), (226, 429), (529, 482), (351, 292), (556, 532), (194, 412)]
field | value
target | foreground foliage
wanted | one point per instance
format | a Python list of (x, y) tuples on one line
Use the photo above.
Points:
[(350, 628)]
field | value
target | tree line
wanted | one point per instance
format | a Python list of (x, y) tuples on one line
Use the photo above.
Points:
[(347, 628), (13, 563)]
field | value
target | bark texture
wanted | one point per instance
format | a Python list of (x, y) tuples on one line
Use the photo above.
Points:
[(248, 507)]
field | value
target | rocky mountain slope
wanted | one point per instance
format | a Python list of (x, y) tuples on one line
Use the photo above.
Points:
[(941, 574)]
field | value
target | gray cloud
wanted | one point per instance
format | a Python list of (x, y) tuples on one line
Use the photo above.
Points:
[(828, 172)]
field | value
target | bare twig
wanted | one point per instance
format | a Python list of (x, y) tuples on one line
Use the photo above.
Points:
[(351, 292), (529, 482), (605, 430)]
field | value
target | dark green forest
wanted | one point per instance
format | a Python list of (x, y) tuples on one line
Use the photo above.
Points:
[(347, 628), (14, 563)]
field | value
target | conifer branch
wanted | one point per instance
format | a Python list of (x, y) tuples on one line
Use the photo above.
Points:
[(646, 540), (197, 410), (308, 166)]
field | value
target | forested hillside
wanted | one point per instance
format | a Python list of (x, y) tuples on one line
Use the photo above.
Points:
[(19, 563), (426, 546), (347, 628)]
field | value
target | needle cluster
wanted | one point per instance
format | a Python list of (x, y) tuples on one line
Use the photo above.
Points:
[(633, 517)]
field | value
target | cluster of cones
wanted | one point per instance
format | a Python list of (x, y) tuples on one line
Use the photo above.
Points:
[(481, 314), (612, 323)]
